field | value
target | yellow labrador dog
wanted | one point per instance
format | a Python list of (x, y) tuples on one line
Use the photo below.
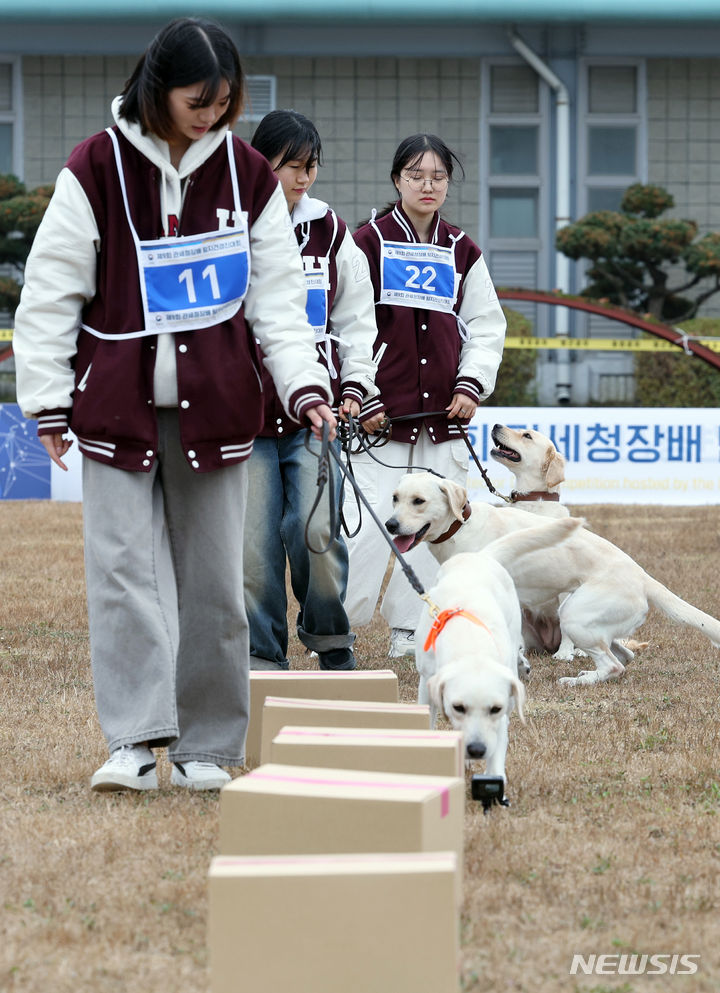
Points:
[(610, 594), (536, 464), (539, 469), (467, 651)]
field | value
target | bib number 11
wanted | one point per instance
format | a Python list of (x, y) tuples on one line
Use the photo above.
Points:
[(209, 273)]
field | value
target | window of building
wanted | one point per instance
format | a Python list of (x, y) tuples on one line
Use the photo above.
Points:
[(612, 141), (513, 153), (9, 101), (611, 132)]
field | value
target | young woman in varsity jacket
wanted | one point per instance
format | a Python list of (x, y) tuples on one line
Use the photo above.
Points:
[(440, 340), (167, 223), (282, 471)]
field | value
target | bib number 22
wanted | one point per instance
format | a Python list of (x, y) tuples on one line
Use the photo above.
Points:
[(427, 274)]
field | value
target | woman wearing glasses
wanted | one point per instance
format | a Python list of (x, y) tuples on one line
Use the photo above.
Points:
[(440, 339)]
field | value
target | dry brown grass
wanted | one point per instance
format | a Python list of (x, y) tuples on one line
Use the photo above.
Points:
[(612, 843)]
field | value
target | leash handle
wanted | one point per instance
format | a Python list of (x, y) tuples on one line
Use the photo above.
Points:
[(324, 477)]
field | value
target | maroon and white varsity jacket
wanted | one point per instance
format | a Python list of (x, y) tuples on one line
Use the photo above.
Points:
[(347, 328), (425, 356), (83, 270)]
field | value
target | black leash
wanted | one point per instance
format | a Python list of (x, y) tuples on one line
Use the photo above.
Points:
[(354, 440), (325, 475), (476, 460)]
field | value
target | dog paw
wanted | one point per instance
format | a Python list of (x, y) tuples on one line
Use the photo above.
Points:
[(584, 678)]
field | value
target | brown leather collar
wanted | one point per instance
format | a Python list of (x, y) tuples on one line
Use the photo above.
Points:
[(533, 495), (454, 527)]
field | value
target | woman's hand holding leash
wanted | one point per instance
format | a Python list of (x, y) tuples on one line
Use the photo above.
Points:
[(349, 407), (318, 415), (461, 406), (373, 424)]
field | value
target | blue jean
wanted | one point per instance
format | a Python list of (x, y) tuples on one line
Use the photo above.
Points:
[(282, 480)]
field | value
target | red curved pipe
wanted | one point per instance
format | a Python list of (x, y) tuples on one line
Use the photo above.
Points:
[(615, 314)]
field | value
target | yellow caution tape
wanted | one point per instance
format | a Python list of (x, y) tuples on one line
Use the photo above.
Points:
[(577, 344), (607, 344)]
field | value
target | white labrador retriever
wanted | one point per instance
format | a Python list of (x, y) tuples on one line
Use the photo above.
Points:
[(467, 650), (536, 464), (539, 469), (610, 593)]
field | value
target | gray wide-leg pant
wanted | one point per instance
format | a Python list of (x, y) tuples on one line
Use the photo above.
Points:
[(168, 630)]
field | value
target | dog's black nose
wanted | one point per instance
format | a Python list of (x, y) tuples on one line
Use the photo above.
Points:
[(476, 749), (392, 525)]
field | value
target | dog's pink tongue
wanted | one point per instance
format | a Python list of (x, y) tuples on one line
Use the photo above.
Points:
[(403, 542)]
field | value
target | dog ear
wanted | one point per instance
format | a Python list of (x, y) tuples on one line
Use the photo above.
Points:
[(456, 496), (518, 691), (553, 467), (436, 693)]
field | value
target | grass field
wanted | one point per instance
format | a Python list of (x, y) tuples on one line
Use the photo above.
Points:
[(611, 846)]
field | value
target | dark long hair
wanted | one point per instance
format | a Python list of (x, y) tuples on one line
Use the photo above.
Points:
[(409, 154), (411, 150), (290, 135), (187, 50)]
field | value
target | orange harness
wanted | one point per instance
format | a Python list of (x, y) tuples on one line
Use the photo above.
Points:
[(441, 620)]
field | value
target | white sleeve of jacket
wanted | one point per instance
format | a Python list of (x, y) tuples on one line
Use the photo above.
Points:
[(485, 326), (275, 306), (59, 279), (353, 317)]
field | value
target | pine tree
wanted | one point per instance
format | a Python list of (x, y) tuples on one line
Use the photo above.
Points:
[(632, 250)]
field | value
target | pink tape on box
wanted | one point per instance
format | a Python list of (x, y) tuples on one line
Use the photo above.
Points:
[(361, 733), (420, 708), (369, 784)]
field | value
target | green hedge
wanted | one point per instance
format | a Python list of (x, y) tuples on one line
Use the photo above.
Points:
[(515, 386), (675, 379)]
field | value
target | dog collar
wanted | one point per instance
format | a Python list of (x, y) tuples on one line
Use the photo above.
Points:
[(441, 620), (454, 527), (533, 495)]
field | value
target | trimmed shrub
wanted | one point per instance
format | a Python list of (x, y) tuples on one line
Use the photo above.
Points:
[(515, 385), (675, 379)]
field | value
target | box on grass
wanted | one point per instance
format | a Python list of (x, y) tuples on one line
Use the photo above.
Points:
[(380, 684), (281, 711), (306, 810), (385, 923), (422, 753)]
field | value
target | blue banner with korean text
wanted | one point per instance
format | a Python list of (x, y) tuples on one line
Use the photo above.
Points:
[(629, 455)]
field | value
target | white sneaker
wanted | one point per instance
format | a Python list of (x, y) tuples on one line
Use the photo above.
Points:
[(402, 642), (198, 775), (130, 767)]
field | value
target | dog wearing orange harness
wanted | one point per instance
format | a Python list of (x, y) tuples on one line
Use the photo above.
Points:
[(469, 644)]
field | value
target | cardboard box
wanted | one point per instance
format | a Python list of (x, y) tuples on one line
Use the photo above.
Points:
[(381, 684), (421, 753), (306, 810), (384, 923), (281, 711)]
